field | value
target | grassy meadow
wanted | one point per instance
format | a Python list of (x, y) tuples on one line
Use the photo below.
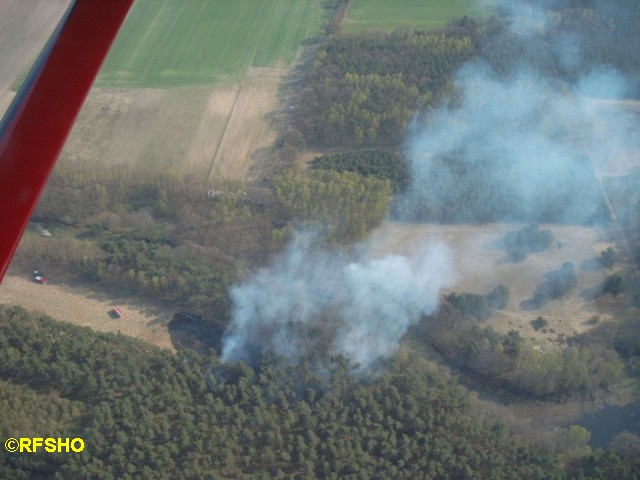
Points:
[(387, 15), (166, 43)]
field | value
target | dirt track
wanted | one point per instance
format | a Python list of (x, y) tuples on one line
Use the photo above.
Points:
[(85, 307)]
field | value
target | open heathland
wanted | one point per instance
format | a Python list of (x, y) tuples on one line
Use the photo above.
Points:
[(481, 264)]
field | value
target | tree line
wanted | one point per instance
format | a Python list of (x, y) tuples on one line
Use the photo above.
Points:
[(580, 368), (343, 206), (163, 236)]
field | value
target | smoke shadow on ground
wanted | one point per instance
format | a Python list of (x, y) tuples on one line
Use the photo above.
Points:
[(591, 293), (556, 284), (591, 265), (195, 333)]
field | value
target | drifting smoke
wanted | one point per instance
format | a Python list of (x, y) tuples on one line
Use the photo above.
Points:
[(362, 307), (522, 148), (532, 123), (514, 144)]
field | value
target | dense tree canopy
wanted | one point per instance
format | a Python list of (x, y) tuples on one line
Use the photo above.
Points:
[(383, 164), (145, 413), (185, 416), (363, 89), (343, 206)]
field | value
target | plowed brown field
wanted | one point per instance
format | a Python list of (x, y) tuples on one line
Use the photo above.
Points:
[(214, 131)]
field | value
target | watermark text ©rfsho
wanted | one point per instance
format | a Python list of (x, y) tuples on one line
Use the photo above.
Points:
[(50, 445)]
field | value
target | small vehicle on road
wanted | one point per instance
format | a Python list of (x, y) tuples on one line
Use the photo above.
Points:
[(39, 277)]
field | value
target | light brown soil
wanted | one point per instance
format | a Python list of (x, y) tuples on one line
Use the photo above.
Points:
[(218, 131), (481, 265), (248, 134), (85, 307), (25, 26), (211, 128), (173, 129)]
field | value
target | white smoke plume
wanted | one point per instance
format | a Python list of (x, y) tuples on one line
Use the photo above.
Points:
[(363, 305), (520, 148)]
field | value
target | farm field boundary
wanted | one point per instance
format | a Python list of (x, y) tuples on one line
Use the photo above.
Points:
[(388, 15), (215, 131)]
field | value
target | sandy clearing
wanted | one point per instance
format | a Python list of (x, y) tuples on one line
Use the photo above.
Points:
[(82, 306), (248, 134), (25, 26), (481, 265)]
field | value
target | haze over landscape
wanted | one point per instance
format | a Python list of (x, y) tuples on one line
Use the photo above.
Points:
[(343, 239)]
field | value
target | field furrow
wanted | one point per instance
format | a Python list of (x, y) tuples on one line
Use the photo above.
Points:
[(247, 131)]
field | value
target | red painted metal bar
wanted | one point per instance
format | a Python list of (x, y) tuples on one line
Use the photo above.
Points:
[(38, 122)]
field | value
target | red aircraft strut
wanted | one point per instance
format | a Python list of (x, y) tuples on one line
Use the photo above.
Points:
[(39, 120)]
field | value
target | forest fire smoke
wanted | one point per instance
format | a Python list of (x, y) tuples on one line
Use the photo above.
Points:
[(517, 142), (516, 149), (365, 303)]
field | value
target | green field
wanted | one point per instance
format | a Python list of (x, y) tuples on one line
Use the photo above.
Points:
[(390, 14), (191, 42)]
